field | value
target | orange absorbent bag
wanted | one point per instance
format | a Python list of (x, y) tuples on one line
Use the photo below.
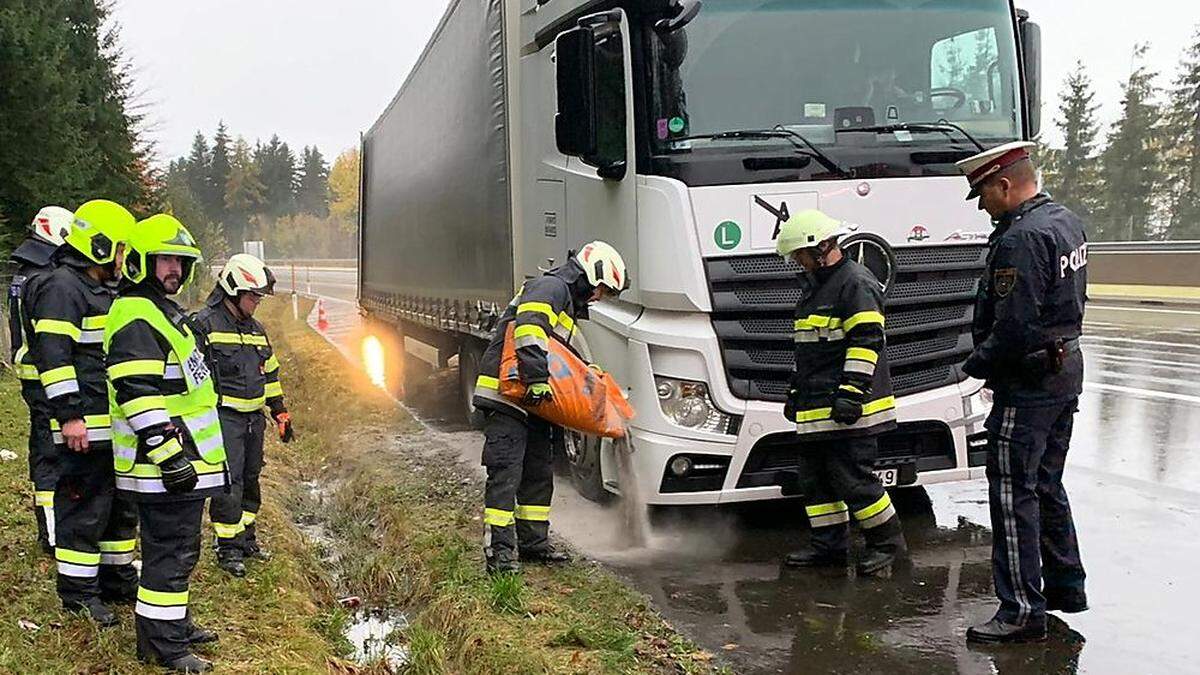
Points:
[(585, 399)]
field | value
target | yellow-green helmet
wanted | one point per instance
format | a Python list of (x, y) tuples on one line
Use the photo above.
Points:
[(99, 226), (162, 234), (808, 228)]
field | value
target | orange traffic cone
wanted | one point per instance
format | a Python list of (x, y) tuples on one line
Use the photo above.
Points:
[(322, 320)]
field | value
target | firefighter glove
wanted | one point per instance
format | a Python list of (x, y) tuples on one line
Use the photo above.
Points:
[(178, 474), (283, 422), (538, 393), (847, 406), (789, 408)]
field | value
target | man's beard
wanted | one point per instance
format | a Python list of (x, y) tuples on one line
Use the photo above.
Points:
[(172, 283)]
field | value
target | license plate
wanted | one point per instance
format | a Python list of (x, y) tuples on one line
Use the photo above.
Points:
[(889, 477)]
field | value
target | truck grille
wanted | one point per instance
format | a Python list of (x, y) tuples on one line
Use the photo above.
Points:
[(929, 311)]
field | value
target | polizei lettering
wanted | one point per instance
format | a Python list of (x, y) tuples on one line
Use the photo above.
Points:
[(1072, 261)]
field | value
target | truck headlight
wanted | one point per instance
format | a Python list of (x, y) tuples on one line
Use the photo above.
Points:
[(688, 404)]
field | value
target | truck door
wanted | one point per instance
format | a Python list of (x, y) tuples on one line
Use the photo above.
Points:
[(599, 176)]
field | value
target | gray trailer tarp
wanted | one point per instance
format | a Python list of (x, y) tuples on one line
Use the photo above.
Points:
[(436, 216)]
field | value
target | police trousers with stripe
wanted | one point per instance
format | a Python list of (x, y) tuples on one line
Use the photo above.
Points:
[(837, 480), (520, 481), (170, 550), (1033, 533), (95, 531), (233, 513)]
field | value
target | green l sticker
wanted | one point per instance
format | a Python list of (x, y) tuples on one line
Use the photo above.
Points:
[(728, 235)]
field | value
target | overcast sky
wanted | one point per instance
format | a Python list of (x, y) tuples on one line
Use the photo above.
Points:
[(319, 72)]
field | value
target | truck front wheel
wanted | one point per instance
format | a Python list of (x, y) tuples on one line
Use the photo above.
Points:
[(469, 356), (582, 454)]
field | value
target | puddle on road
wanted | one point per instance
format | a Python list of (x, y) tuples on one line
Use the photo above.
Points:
[(374, 634)]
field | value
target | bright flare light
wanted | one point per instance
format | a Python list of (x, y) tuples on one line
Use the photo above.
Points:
[(373, 360)]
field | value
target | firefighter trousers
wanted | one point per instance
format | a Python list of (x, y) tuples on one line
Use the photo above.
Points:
[(95, 532), (1033, 533), (233, 514), (837, 479), (170, 550), (43, 474), (520, 481)]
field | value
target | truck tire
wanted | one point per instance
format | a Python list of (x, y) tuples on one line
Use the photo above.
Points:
[(470, 353), (583, 462)]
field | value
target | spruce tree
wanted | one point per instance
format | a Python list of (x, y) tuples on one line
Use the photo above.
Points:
[(1182, 156), (218, 175), (277, 171), (1074, 181), (1131, 165), (312, 196)]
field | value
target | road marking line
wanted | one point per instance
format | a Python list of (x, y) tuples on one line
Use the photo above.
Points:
[(1135, 341), (1115, 308), (1151, 393), (1130, 359)]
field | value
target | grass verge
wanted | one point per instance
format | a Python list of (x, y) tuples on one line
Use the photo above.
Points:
[(396, 522)]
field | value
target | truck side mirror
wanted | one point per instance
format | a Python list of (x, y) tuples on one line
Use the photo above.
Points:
[(575, 124), (1031, 60)]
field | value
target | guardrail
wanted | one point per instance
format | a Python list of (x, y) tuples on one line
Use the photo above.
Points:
[(1144, 247)]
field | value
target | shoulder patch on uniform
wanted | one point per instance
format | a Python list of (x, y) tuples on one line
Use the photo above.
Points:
[(1004, 280)]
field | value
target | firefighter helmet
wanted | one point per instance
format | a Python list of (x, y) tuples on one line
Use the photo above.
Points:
[(97, 228), (52, 224), (159, 235), (603, 266), (807, 229), (246, 273)]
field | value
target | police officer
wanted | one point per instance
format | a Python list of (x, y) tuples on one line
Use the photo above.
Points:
[(1028, 320), (68, 308), (517, 446), (168, 452), (247, 379), (840, 398), (34, 259)]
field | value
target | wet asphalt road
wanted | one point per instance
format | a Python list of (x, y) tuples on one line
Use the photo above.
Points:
[(1134, 481)]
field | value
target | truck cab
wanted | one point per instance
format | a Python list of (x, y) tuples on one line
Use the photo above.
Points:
[(684, 133)]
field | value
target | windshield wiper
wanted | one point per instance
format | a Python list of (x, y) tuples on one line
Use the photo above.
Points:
[(940, 126), (803, 145)]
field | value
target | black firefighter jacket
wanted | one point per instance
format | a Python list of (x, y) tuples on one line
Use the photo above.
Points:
[(68, 310), (840, 345), (34, 259), (546, 308), (246, 367)]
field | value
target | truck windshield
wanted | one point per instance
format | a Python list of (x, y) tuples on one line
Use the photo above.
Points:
[(823, 68)]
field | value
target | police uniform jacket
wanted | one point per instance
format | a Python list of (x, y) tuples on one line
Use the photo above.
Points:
[(546, 308), (1032, 296), (840, 346), (241, 356), (68, 310)]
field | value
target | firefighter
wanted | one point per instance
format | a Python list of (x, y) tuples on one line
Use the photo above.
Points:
[(67, 310), (168, 452), (517, 445), (1028, 319), (840, 398), (248, 380), (34, 259)]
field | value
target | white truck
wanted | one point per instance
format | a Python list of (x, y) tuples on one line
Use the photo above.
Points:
[(683, 133)]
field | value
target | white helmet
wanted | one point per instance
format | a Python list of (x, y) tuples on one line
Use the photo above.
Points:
[(52, 224), (603, 266), (245, 273)]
